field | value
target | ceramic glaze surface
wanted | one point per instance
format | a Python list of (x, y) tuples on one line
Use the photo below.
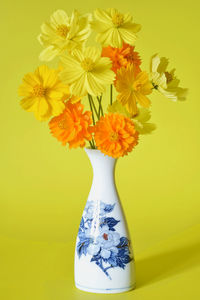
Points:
[(103, 256)]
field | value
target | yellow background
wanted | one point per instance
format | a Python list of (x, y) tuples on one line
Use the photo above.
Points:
[(44, 187)]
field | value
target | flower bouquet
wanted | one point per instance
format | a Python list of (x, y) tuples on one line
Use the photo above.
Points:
[(109, 79)]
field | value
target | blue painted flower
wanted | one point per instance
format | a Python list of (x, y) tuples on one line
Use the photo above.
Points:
[(107, 238), (106, 242), (93, 249), (108, 249), (89, 210)]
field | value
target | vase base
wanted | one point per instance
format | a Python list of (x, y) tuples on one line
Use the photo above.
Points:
[(104, 291)]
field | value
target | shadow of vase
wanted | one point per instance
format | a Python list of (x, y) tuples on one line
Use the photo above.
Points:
[(167, 264)]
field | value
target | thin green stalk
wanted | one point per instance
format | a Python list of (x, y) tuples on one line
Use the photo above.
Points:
[(94, 107), (92, 144), (99, 112), (111, 94), (91, 109), (100, 105)]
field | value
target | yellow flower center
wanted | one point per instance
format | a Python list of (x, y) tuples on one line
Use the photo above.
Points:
[(87, 64), (118, 19), (62, 30), (137, 86), (168, 76), (114, 136), (39, 90), (62, 124)]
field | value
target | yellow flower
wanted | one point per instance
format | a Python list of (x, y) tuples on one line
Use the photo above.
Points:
[(117, 107), (43, 93), (114, 28), (133, 88), (86, 71), (141, 121), (63, 33), (164, 81)]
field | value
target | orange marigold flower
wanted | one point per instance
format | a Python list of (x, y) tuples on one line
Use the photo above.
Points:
[(72, 126), (122, 56), (115, 135)]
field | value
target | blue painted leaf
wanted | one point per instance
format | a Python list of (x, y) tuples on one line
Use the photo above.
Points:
[(120, 263), (124, 242), (89, 223), (123, 251), (96, 257), (82, 246), (109, 207), (79, 249), (123, 258), (81, 234), (112, 229), (82, 223), (127, 259), (81, 228), (112, 260), (111, 222)]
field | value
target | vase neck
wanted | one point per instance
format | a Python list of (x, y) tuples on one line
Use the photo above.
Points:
[(103, 170)]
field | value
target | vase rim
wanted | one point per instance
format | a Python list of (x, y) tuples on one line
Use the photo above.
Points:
[(87, 149)]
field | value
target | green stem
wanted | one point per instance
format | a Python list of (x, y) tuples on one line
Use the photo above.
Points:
[(111, 94), (92, 144), (91, 109), (100, 105), (94, 107), (99, 112)]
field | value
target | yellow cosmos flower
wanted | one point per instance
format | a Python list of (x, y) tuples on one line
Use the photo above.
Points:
[(133, 88), (63, 33), (43, 93), (164, 81), (117, 107), (86, 71), (140, 120), (114, 28)]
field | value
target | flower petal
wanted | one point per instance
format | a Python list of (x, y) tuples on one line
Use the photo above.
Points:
[(59, 17), (155, 61), (143, 100), (103, 16), (29, 104), (57, 107), (49, 53), (93, 86), (128, 36), (79, 87)]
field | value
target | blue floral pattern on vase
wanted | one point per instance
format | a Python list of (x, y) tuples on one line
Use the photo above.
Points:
[(108, 250)]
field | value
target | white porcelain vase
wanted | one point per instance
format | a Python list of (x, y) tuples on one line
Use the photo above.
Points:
[(103, 256)]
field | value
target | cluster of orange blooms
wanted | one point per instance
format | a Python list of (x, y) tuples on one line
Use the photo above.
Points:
[(114, 134)]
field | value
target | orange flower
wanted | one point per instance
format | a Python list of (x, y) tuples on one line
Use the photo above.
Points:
[(115, 135), (72, 126), (122, 56)]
